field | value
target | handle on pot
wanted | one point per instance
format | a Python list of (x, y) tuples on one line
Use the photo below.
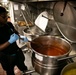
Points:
[(29, 71), (71, 56)]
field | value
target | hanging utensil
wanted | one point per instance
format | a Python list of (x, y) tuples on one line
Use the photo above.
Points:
[(65, 3)]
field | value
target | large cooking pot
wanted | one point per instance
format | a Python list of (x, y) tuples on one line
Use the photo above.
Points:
[(49, 53), (69, 69)]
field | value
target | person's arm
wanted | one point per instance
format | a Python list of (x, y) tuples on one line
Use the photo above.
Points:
[(12, 39), (4, 45), (24, 38)]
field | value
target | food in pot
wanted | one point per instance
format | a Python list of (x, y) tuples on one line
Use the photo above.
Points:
[(49, 50), (70, 72), (23, 23), (50, 45), (69, 69)]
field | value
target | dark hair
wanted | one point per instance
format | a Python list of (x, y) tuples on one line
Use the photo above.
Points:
[(2, 10)]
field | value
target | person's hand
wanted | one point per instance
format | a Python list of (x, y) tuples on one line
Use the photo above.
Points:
[(24, 38), (13, 38)]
